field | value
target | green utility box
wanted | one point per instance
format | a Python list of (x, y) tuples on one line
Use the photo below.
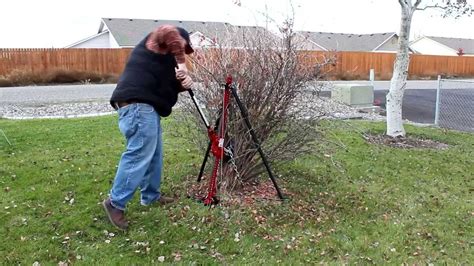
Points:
[(356, 95)]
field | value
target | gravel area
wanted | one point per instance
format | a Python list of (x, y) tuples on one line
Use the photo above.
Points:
[(313, 106), (310, 105), (58, 110), (325, 107), (56, 94)]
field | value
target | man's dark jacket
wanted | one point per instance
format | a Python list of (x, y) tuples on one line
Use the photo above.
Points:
[(149, 78)]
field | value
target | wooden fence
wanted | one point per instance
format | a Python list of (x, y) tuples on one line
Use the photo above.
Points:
[(349, 65), (101, 61), (357, 65)]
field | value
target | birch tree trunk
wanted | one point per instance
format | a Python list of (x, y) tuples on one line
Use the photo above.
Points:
[(400, 73)]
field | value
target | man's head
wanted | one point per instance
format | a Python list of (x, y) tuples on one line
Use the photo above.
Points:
[(188, 48)]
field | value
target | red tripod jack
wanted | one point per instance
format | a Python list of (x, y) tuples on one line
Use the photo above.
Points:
[(216, 141)]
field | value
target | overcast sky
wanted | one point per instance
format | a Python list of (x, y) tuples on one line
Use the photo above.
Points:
[(57, 23)]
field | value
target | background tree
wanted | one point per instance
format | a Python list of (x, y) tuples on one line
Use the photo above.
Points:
[(454, 8)]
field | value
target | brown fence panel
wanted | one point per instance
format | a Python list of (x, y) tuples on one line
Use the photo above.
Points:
[(357, 65), (101, 61), (460, 66)]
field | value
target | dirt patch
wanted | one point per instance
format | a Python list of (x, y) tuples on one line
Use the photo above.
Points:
[(248, 194), (405, 142)]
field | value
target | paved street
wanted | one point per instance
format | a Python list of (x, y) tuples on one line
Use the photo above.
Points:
[(457, 99), (456, 107), (97, 92)]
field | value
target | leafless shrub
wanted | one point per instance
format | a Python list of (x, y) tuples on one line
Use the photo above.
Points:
[(349, 76), (272, 79), (4, 82), (22, 77)]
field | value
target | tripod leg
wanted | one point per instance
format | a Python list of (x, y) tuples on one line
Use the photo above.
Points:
[(208, 148), (244, 112), (204, 162)]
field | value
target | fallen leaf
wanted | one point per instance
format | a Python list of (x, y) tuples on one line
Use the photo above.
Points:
[(177, 256)]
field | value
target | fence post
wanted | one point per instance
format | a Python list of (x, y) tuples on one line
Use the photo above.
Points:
[(372, 76), (436, 122)]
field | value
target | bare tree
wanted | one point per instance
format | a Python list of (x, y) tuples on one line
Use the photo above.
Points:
[(271, 81), (454, 8)]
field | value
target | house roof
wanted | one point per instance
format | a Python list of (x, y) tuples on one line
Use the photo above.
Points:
[(129, 32), (455, 43), (347, 42)]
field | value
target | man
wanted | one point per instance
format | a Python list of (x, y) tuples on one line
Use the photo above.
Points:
[(146, 91)]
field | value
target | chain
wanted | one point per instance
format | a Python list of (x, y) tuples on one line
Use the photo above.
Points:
[(229, 152)]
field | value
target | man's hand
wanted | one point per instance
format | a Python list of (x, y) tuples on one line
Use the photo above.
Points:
[(186, 82), (181, 74), (182, 68), (183, 77)]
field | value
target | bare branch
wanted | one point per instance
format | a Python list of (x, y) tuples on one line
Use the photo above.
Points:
[(430, 7), (271, 78), (417, 3), (449, 8)]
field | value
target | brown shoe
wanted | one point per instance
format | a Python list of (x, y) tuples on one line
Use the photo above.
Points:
[(116, 216), (161, 201), (165, 200)]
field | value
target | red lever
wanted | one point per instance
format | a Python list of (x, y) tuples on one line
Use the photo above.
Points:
[(228, 80)]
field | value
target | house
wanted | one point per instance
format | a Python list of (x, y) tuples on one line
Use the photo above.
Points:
[(443, 46), (328, 41), (126, 33)]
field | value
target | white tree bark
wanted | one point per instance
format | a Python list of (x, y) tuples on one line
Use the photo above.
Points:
[(455, 8), (400, 73)]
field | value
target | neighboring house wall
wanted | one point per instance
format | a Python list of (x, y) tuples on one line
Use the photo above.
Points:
[(303, 43), (430, 47), (329, 41), (112, 42), (391, 45), (127, 33), (199, 40), (99, 41)]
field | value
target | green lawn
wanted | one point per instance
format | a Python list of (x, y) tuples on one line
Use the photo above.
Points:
[(351, 202)]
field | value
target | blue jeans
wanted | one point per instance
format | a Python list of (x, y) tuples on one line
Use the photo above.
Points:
[(141, 163)]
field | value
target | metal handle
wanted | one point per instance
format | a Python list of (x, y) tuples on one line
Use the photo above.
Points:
[(201, 113)]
